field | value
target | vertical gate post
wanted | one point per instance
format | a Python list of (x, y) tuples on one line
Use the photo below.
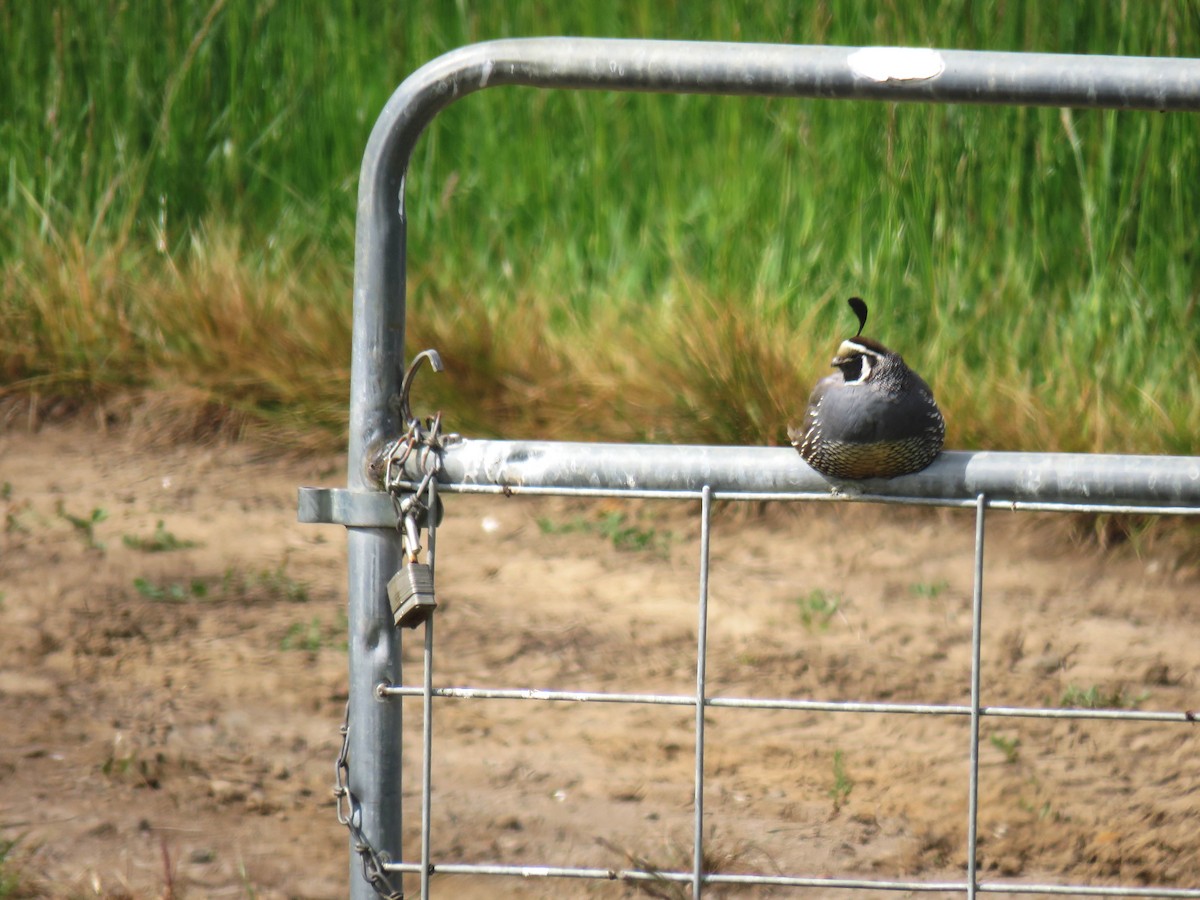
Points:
[(373, 554)]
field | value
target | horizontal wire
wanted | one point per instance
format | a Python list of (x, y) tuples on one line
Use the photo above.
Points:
[(468, 693), (789, 880), (787, 496)]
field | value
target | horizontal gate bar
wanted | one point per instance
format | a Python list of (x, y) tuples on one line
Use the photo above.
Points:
[(879, 73), (1076, 482)]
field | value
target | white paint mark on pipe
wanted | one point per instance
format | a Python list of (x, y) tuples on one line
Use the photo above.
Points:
[(896, 63)]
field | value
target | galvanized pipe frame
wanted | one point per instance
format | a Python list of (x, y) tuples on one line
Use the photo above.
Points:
[(624, 65)]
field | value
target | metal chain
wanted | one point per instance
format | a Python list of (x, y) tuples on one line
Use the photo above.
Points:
[(349, 813), (412, 510), (425, 439)]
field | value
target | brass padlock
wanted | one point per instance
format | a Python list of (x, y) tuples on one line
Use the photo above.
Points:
[(410, 592)]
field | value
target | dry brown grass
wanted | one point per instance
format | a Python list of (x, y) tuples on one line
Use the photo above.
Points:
[(228, 339)]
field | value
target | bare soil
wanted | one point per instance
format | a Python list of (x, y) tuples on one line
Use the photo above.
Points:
[(171, 693)]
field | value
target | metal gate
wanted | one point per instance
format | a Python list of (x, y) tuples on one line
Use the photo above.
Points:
[(398, 465)]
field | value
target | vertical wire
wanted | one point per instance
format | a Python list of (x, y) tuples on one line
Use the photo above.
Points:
[(976, 642), (427, 708), (701, 665)]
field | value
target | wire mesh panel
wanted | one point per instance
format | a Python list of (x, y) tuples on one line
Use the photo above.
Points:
[(530, 469), (397, 466)]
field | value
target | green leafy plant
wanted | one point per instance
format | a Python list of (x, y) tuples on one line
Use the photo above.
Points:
[(1007, 746), (10, 877), (85, 527), (161, 541), (1095, 697), (628, 535), (843, 784), (265, 584), (12, 520), (817, 609), (928, 589), (172, 592), (309, 636), (617, 527)]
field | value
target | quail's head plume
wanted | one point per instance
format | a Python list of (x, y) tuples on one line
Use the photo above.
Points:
[(873, 418)]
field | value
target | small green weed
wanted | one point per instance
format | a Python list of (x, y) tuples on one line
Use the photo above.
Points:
[(1044, 811), (928, 589), (12, 519), (818, 609), (631, 536), (13, 511), (172, 592), (11, 881), (134, 767), (1095, 697), (717, 855), (247, 886), (299, 636), (10, 878), (85, 527), (160, 541), (266, 584), (1007, 746), (843, 784), (546, 525), (615, 527)]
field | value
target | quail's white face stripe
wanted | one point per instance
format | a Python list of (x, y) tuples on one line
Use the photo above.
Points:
[(850, 348)]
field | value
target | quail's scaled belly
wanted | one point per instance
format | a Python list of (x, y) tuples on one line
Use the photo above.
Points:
[(881, 459)]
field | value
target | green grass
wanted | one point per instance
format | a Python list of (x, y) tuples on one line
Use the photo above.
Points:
[(930, 590), (236, 585), (1009, 746), (11, 877), (843, 784), (616, 527), (179, 195), (817, 610), (85, 526), (160, 541), (173, 591), (1096, 697)]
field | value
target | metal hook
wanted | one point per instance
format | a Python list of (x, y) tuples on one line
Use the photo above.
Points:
[(435, 362)]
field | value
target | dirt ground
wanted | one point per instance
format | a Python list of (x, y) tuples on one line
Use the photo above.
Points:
[(172, 678)]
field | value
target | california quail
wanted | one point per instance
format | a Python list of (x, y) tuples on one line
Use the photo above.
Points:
[(874, 418)]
